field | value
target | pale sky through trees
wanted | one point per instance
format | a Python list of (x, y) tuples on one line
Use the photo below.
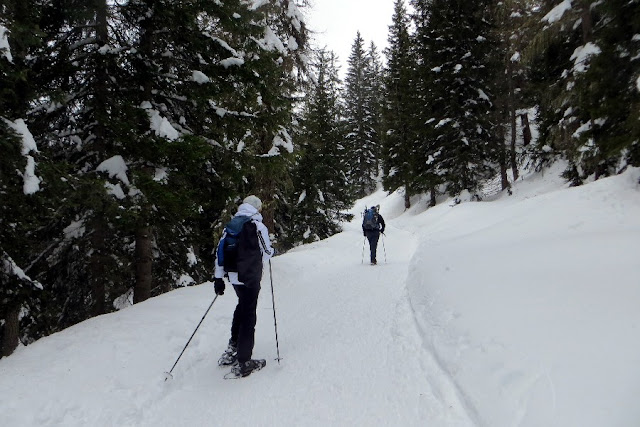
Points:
[(336, 22)]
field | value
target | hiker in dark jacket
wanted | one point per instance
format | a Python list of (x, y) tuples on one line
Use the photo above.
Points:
[(240, 348), (372, 226)]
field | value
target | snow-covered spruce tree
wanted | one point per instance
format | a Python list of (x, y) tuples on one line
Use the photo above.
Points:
[(513, 92), (190, 68), (374, 96), (279, 66), (453, 40), (19, 294), (235, 71), (81, 115), (319, 176), (426, 176), (590, 115), (361, 135), (80, 112), (397, 148), (21, 207)]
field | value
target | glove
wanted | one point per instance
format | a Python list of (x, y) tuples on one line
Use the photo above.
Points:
[(364, 233), (218, 285)]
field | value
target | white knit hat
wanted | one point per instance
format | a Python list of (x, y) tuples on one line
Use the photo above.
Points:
[(253, 201)]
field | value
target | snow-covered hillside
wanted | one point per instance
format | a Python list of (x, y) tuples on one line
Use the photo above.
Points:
[(519, 311)]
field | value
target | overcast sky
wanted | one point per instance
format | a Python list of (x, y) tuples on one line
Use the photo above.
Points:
[(336, 23)]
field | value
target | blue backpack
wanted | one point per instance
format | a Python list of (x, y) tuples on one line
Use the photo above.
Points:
[(370, 221), (240, 251)]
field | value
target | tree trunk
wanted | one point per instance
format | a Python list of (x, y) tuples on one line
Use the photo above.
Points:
[(97, 267), (98, 226), (587, 23), (11, 333), (407, 198), (512, 122), (526, 129), (432, 201), (502, 160), (144, 263)]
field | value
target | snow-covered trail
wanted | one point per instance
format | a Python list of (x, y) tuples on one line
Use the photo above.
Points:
[(351, 348), (352, 354)]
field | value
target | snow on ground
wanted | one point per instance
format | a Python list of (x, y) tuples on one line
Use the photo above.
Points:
[(521, 311)]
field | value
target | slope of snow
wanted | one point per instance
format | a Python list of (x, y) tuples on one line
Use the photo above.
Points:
[(519, 311)]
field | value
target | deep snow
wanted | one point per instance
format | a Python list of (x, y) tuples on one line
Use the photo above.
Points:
[(520, 310)]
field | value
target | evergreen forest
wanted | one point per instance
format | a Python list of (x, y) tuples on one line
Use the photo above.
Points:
[(131, 129)]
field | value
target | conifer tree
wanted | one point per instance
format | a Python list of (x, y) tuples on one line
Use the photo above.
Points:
[(320, 182), (281, 71), (374, 99), (20, 205), (360, 120), (512, 89), (453, 41), (427, 177), (399, 89), (588, 115)]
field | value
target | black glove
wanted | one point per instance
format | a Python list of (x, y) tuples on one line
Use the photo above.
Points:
[(218, 285)]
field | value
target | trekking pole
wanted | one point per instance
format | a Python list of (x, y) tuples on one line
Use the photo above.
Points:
[(168, 374), (275, 321), (364, 239), (385, 249)]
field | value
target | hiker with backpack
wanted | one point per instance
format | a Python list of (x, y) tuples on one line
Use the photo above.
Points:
[(372, 226), (244, 246)]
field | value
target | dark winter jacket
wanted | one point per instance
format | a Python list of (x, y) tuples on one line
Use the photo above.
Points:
[(263, 242)]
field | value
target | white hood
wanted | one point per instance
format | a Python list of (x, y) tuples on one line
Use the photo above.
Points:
[(246, 209)]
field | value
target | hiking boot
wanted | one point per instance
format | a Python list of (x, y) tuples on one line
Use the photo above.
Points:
[(374, 262), (230, 355), (247, 368)]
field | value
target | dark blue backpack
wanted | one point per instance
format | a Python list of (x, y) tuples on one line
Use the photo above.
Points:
[(370, 221), (240, 251)]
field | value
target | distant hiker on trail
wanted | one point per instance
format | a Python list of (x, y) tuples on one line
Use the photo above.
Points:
[(372, 226), (242, 249)]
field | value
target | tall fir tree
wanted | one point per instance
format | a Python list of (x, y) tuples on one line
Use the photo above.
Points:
[(427, 176), (398, 135), (320, 180), (360, 115), (374, 99), (460, 145), (515, 26), (21, 206)]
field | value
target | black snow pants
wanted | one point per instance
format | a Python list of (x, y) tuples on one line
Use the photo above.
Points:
[(373, 236), (243, 326)]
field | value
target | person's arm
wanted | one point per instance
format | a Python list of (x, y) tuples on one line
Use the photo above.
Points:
[(381, 222), (219, 268), (264, 241)]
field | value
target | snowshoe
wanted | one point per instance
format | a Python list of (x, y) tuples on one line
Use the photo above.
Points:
[(230, 355), (247, 368)]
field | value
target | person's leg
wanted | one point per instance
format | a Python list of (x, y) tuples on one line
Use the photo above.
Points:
[(229, 356), (235, 323), (247, 304), (370, 239), (373, 244)]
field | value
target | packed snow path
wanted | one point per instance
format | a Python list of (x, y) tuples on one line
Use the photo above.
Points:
[(351, 353), (517, 312)]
